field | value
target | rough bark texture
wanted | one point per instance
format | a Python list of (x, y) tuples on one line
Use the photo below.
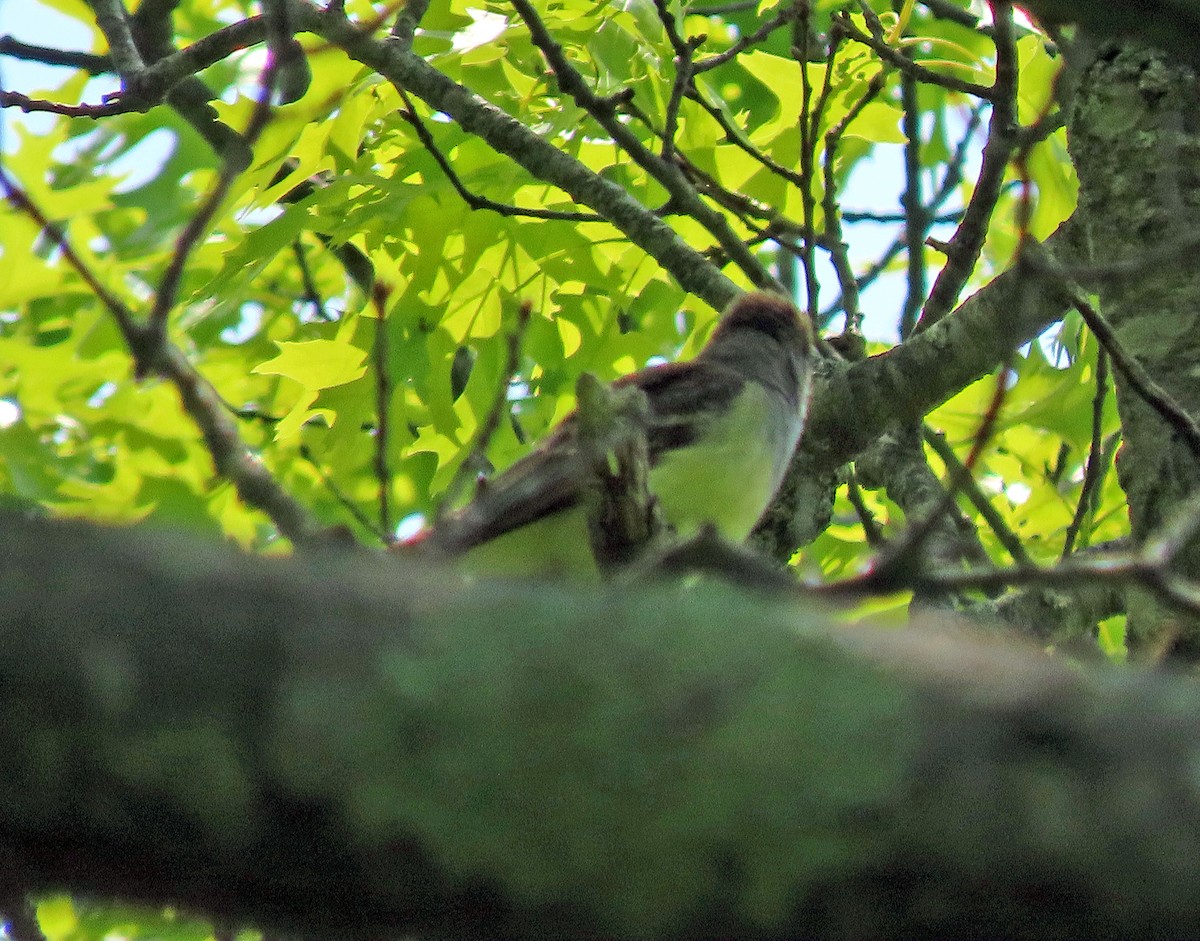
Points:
[(344, 745), (856, 403), (1135, 142), (1169, 24)]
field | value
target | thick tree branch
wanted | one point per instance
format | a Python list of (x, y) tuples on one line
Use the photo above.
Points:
[(854, 403), (113, 21), (508, 136), (667, 173), (345, 746), (859, 401)]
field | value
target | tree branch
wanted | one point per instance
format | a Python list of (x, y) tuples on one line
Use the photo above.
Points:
[(904, 64), (962, 252), (682, 194), (113, 21), (536, 155), (856, 402), (348, 746), (87, 61), (154, 354)]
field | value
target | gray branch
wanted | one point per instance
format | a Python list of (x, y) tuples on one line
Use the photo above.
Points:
[(509, 136)]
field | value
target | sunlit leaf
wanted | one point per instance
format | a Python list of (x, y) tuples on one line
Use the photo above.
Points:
[(316, 364)]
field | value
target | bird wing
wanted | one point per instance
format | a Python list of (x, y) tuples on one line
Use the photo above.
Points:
[(682, 396), (550, 479)]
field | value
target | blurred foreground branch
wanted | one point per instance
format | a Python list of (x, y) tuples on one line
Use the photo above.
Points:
[(335, 744)]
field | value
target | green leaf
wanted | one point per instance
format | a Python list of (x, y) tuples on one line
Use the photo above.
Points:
[(316, 364)]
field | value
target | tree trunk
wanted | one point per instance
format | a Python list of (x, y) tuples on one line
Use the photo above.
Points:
[(1135, 142)]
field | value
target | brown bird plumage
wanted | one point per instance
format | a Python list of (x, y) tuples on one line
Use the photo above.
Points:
[(685, 401)]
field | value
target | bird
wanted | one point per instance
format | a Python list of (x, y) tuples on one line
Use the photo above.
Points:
[(720, 431)]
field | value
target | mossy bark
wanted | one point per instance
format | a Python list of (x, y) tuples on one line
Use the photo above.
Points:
[(349, 745), (1135, 141)]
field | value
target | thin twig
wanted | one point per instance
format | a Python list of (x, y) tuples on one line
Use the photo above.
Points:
[(342, 497), (958, 472), (964, 247), (916, 218), (126, 322), (684, 70), (311, 294), (86, 61), (1092, 469), (733, 135), (808, 201), (1132, 372), (14, 99), (838, 252), (471, 199), (852, 216), (168, 288), (679, 45), (863, 281), (351, 507), (810, 124), (383, 396), (747, 208), (922, 74), (786, 12)]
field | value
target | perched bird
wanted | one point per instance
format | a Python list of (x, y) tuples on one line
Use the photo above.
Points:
[(721, 430)]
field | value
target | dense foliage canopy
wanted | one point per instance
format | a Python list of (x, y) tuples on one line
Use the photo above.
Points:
[(352, 294)]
